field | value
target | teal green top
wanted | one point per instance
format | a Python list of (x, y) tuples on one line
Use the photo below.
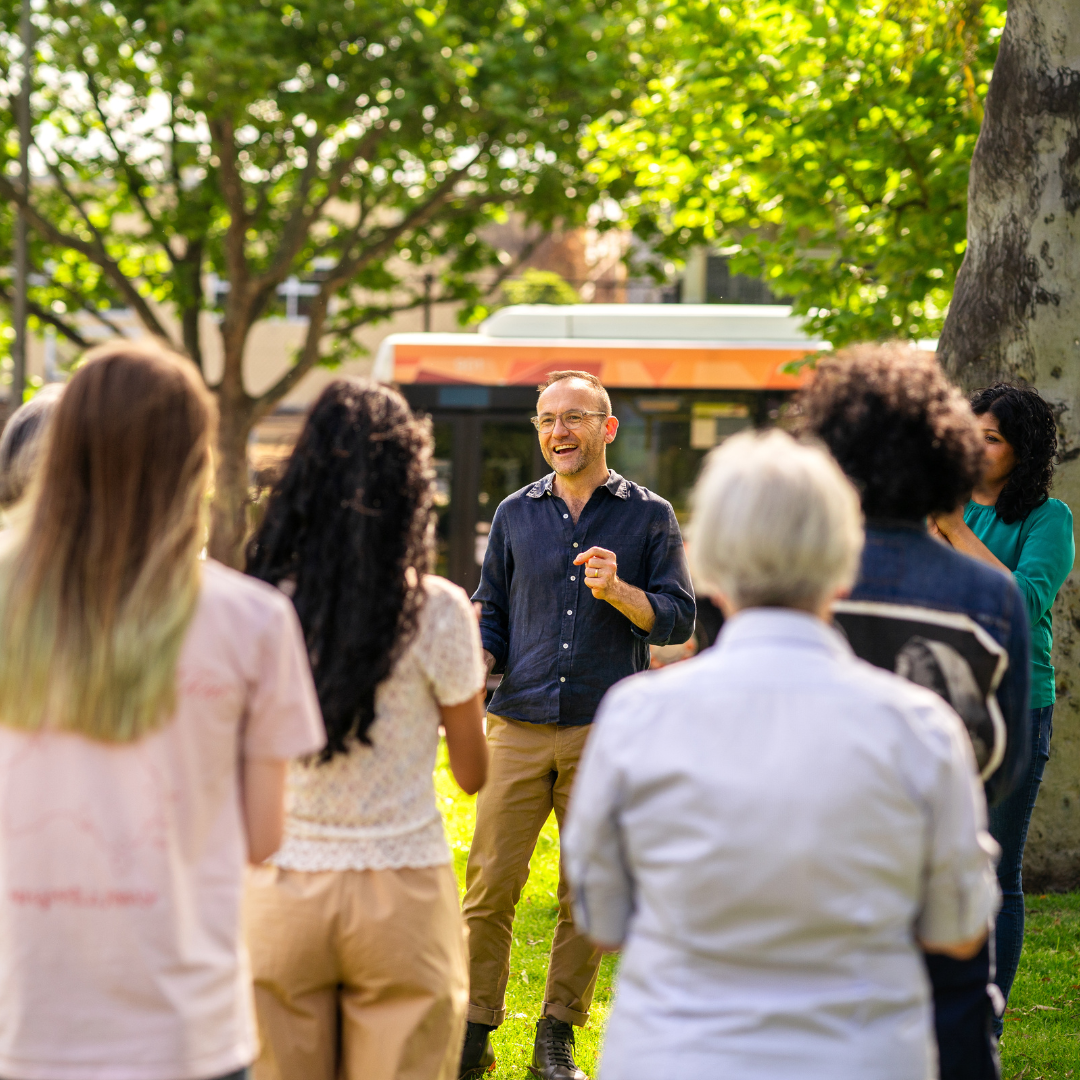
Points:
[(1039, 551)]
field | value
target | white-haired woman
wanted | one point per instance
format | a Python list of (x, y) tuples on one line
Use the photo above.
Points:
[(770, 830)]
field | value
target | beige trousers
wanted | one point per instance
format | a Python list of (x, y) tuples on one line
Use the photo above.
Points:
[(530, 773), (359, 974)]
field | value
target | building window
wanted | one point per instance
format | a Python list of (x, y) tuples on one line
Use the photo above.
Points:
[(724, 287)]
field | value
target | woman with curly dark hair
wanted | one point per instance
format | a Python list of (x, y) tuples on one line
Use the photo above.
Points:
[(356, 917), (1011, 523), (908, 440)]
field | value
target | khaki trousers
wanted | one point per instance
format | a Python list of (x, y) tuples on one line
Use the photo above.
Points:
[(359, 974), (530, 773)]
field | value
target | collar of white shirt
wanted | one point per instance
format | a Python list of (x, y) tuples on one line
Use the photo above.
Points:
[(759, 626)]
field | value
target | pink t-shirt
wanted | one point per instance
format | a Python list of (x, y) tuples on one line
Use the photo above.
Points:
[(121, 865)]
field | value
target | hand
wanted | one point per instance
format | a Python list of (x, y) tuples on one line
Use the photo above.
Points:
[(947, 525), (601, 572), (935, 532)]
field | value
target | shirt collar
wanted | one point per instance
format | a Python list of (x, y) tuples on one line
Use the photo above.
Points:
[(888, 524), (767, 624), (617, 485)]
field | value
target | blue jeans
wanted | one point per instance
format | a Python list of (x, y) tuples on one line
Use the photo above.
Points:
[(1009, 822)]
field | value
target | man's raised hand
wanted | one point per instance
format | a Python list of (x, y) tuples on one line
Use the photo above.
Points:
[(601, 572)]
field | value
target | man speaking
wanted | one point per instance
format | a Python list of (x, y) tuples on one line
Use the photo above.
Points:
[(584, 570)]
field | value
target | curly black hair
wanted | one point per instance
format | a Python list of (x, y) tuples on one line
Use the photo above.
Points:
[(349, 524), (1028, 425), (897, 427)]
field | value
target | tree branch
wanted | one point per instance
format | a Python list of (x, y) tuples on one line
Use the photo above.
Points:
[(135, 179), (265, 187), (95, 252), (49, 317), (68, 194), (298, 223), (302, 218), (346, 268), (84, 305), (233, 190), (373, 314)]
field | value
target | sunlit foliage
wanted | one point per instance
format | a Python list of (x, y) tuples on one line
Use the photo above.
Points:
[(823, 144)]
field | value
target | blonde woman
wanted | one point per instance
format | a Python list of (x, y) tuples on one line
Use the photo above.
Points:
[(149, 703), (771, 830)]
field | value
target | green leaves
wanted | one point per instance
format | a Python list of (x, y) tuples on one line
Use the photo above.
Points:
[(823, 145), (363, 143)]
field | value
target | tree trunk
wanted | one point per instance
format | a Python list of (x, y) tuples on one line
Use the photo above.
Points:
[(1015, 316), (228, 515)]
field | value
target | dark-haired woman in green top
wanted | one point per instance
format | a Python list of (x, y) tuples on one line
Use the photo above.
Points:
[(1013, 524)]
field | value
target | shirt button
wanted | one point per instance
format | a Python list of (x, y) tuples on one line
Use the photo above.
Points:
[(565, 646), (569, 611), (572, 578), (575, 544), (562, 678), (566, 515)]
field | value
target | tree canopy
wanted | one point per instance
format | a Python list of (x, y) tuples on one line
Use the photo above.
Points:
[(823, 144), (357, 143)]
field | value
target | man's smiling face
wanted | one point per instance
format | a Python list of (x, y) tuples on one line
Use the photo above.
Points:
[(570, 452)]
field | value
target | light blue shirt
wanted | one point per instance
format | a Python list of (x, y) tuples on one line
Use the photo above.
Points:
[(767, 828)]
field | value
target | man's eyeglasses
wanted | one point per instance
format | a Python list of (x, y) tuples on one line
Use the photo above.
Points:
[(573, 420)]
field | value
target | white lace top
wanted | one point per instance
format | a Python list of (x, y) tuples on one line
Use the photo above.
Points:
[(374, 808)]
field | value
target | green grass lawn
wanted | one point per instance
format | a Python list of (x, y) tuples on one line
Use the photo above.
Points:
[(1042, 1024), (533, 930)]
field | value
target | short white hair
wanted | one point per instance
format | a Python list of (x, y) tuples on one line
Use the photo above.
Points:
[(775, 523)]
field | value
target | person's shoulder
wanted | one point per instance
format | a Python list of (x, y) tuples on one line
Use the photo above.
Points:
[(633, 705), (648, 695), (1053, 512), (920, 711), (966, 583), (986, 578), (444, 595), (447, 607), (635, 492), (523, 498), (240, 594), (638, 495)]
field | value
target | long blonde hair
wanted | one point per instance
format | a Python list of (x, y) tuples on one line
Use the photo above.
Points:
[(99, 587)]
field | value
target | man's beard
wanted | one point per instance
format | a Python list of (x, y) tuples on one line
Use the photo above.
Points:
[(588, 451)]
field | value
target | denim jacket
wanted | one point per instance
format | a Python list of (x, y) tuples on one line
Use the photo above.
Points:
[(902, 563)]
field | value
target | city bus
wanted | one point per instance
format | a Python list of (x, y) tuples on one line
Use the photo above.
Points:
[(682, 377)]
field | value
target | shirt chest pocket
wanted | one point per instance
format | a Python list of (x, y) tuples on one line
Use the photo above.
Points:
[(629, 557)]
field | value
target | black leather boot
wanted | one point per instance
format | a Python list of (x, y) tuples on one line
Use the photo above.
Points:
[(553, 1051), (477, 1056)]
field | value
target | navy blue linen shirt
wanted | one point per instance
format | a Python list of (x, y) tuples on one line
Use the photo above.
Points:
[(903, 564), (559, 647)]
